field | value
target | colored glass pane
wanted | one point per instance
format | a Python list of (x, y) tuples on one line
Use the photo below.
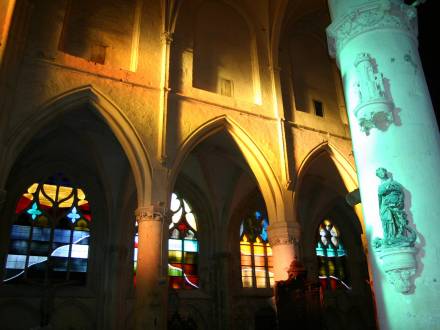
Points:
[(50, 236), (183, 246), (256, 254), (331, 256)]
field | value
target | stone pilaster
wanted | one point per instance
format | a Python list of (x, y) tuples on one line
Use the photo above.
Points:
[(392, 126), (284, 240), (150, 287)]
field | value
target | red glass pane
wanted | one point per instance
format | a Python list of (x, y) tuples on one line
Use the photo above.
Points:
[(22, 204), (85, 207), (176, 282), (88, 217), (190, 269), (182, 226), (191, 282)]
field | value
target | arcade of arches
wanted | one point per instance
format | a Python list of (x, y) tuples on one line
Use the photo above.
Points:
[(187, 164)]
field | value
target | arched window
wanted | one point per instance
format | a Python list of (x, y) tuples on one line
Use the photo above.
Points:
[(183, 247), (331, 257), (256, 253), (49, 241)]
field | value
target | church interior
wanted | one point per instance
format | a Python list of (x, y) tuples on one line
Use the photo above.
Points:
[(200, 164)]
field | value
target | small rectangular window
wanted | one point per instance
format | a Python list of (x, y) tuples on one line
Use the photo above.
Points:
[(226, 87), (319, 109)]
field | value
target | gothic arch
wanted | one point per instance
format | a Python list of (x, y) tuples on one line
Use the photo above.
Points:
[(256, 160), (112, 115), (345, 169)]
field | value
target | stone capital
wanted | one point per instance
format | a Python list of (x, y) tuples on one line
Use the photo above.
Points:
[(375, 15), (150, 213), (284, 234), (167, 37)]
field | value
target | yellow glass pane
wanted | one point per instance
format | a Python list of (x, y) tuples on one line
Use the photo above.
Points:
[(245, 248), (257, 240), (32, 188), (247, 282), (174, 256), (29, 196), (268, 250), (244, 239), (67, 203), (261, 282), (82, 202), (246, 260), (258, 250), (246, 271), (81, 194), (272, 282)]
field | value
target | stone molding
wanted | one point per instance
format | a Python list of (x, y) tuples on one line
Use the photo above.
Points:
[(284, 234), (150, 213), (372, 16)]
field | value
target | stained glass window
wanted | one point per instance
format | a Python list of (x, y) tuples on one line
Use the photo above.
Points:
[(256, 253), (183, 247), (49, 241), (331, 257)]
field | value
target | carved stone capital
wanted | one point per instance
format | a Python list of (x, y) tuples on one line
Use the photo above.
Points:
[(375, 15), (284, 234), (399, 265), (150, 213), (167, 37)]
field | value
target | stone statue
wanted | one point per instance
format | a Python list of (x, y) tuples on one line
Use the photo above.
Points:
[(392, 213)]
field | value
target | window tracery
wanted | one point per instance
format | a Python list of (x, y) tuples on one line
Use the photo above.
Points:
[(49, 241), (256, 253)]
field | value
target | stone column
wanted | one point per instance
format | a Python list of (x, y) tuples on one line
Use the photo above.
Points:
[(284, 240), (396, 146), (150, 288)]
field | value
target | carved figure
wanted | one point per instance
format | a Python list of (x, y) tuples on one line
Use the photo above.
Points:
[(392, 213)]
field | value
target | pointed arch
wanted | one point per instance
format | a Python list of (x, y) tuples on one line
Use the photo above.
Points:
[(255, 158), (345, 169), (112, 115)]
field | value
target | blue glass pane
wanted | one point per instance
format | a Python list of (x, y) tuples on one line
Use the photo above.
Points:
[(20, 232), (41, 234), (190, 246), (61, 236)]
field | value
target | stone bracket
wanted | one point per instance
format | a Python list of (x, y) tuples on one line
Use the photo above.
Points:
[(399, 265), (150, 213)]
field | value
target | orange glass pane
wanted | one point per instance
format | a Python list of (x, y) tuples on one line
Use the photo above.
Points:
[(269, 261), (261, 282), (259, 261), (246, 260)]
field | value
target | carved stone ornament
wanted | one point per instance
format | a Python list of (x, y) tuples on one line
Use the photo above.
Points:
[(375, 107), (396, 250), (150, 213), (375, 15), (399, 265)]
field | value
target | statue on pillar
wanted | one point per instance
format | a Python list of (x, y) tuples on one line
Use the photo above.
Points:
[(375, 106), (396, 249), (392, 213)]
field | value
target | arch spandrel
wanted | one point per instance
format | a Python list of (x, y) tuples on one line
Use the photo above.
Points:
[(112, 115), (259, 165)]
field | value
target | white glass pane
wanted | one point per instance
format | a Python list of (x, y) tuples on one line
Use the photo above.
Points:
[(175, 203), (175, 244), (191, 220)]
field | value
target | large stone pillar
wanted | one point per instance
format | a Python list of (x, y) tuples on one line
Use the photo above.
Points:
[(150, 305), (284, 240), (397, 151)]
